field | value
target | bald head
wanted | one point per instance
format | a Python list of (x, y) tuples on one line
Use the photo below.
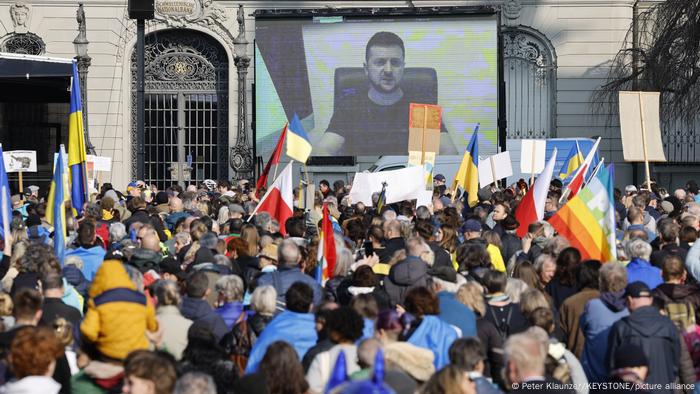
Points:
[(175, 205), (392, 229)]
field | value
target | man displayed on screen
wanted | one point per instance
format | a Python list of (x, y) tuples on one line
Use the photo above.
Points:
[(374, 118)]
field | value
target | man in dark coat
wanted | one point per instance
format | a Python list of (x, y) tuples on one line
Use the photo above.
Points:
[(653, 332), (675, 289), (409, 273)]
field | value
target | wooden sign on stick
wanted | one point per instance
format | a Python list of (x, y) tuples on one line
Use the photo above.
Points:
[(494, 168), (424, 129)]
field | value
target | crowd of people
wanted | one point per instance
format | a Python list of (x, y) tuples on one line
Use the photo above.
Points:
[(190, 290)]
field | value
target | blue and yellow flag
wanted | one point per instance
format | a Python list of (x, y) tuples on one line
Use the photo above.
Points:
[(572, 162), (56, 205), (468, 174), (76, 147), (298, 143), (6, 210)]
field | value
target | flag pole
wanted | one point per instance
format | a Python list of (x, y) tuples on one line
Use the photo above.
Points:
[(21, 186), (532, 170), (6, 221)]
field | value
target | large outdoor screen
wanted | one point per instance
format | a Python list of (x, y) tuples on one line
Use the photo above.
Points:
[(351, 80)]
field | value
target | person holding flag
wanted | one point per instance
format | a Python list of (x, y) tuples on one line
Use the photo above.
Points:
[(56, 203), (468, 173), (77, 157)]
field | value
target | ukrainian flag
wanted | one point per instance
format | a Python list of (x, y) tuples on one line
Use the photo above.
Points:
[(6, 210), (468, 174), (298, 144), (76, 147), (572, 162), (56, 205)]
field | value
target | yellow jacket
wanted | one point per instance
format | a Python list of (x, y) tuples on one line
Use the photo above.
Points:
[(118, 315), (496, 258)]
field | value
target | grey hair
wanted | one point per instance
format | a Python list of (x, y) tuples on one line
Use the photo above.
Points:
[(343, 261), (231, 287), (288, 254), (220, 259), (638, 248), (195, 383), (541, 260), (262, 220), (117, 232), (223, 214), (423, 213), (73, 260), (183, 238), (264, 300), (389, 215), (515, 288), (527, 352), (612, 277)]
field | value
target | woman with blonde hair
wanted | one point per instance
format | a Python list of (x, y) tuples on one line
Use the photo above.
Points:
[(471, 295), (250, 234)]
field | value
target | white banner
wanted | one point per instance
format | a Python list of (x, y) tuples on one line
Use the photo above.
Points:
[(20, 160), (404, 184)]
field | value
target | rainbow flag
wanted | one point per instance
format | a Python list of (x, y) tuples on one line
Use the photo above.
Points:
[(76, 147), (298, 143), (572, 162), (326, 248), (468, 174), (56, 205), (588, 219)]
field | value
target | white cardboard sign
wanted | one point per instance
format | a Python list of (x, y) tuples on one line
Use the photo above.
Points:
[(20, 161), (494, 168), (532, 155)]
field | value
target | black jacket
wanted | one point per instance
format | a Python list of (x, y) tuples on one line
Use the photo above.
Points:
[(658, 256), (405, 275), (390, 247), (54, 308), (657, 336), (510, 244)]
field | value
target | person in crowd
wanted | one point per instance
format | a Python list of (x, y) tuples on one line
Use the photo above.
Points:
[(525, 357), (344, 327), (564, 282), (409, 273), (650, 330), (546, 266), (630, 370), (367, 352), (195, 383), (290, 271), (53, 307), (147, 372), (445, 284), (639, 268), (573, 307), (668, 245), (366, 306), (196, 308), (118, 316), (599, 314), (230, 290), (415, 361), (676, 289), (203, 354), (32, 360), (450, 379), (393, 241), (296, 324), (242, 337), (174, 325), (88, 248), (469, 355), (423, 326), (280, 372), (505, 315)]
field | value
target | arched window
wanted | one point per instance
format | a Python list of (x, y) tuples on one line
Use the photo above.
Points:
[(530, 72)]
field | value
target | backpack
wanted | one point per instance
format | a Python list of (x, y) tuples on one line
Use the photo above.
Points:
[(238, 344), (682, 314)]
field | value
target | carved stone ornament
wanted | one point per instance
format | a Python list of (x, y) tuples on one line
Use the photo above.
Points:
[(20, 13), (511, 10), (23, 43), (179, 13)]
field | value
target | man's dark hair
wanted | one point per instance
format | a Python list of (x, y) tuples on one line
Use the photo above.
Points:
[(235, 226), (346, 323), (51, 280), (495, 282), (197, 284), (295, 227), (86, 233), (299, 297), (207, 222), (424, 229), (27, 303), (384, 39), (465, 353), (224, 183), (668, 230), (542, 317), (156, 366), (588, 274)]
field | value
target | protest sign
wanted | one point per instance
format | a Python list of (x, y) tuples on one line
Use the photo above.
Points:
[(494, 168), (424, 129), (404, 184), (20, 161)]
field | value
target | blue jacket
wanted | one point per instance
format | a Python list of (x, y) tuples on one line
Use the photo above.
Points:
[(596, 321), (639, 270), (297, 329), (171, 220), (455, 313), (230, 312), (92, 259), (435, 335), (199, 311), (285, 277)]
